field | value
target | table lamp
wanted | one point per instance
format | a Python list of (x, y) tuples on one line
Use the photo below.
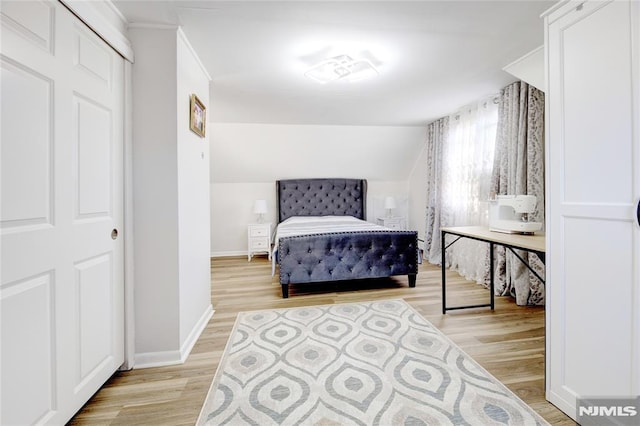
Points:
[(389, 204), (260, 208)]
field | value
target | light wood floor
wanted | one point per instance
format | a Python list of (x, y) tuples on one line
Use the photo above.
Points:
[(508, 342)]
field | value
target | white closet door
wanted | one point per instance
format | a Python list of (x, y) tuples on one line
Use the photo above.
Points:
[(593, 252), (62, 269)]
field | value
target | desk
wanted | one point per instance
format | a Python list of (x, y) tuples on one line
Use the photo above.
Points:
[(531, 243)]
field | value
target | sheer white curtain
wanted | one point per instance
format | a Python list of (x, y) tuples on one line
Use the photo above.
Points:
[(467, 164)]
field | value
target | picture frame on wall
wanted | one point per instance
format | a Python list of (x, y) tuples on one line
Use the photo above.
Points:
[(197, 116)]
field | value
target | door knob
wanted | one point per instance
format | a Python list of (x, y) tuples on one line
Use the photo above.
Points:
[(114, 234)]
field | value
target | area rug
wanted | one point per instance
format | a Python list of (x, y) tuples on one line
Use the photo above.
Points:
[(374, 363)]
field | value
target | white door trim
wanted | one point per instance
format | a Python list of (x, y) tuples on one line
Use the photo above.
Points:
[(113, 30), (129, 268)]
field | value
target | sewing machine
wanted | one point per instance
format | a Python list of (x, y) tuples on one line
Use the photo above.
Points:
[(508, 214)]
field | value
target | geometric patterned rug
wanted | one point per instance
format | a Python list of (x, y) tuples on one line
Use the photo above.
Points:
[(374, 363)]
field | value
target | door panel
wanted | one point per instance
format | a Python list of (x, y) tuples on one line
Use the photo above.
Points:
[(593, 242), (608, 246), (34, 23), (92, 123), (28, 302), (597, 108), (94, 305), (92, 57), (62, 190), (29, 161)]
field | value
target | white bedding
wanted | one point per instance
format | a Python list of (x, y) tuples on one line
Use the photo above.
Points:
[(304, 225)]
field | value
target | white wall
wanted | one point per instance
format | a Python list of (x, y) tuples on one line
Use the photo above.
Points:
[(247, 159), (232, 210), (171, 204), (261, 152), (193, 197), (155, 178)]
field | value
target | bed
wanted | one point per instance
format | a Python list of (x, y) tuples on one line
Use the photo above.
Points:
[(333, 241)]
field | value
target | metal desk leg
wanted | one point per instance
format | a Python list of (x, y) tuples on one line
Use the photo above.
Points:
[(491, 271), (444, 274)]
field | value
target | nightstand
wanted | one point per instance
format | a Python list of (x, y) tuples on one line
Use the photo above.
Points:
[(259, 239), (395, 222)]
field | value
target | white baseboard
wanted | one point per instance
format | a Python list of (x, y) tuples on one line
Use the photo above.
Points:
[(157, 359), (165, 358), (196, 331)]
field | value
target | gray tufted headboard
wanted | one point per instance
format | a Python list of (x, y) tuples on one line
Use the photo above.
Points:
[(321, 197)]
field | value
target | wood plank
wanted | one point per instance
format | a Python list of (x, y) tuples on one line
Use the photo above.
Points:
[(508, 342)]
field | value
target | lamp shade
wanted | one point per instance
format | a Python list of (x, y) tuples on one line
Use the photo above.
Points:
[(260, 207), (389, 203)]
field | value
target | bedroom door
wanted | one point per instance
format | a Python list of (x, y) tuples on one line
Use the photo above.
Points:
[(61, 216), (593, 233)]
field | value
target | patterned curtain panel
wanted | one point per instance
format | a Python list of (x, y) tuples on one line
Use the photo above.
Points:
[(519, 169), (437, 133)]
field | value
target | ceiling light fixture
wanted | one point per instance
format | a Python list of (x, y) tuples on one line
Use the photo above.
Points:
[(341, 67)]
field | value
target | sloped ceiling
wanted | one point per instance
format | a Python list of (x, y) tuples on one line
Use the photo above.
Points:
[(433, 56)]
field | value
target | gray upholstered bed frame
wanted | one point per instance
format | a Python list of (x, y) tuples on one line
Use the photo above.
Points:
[(338, 256)]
